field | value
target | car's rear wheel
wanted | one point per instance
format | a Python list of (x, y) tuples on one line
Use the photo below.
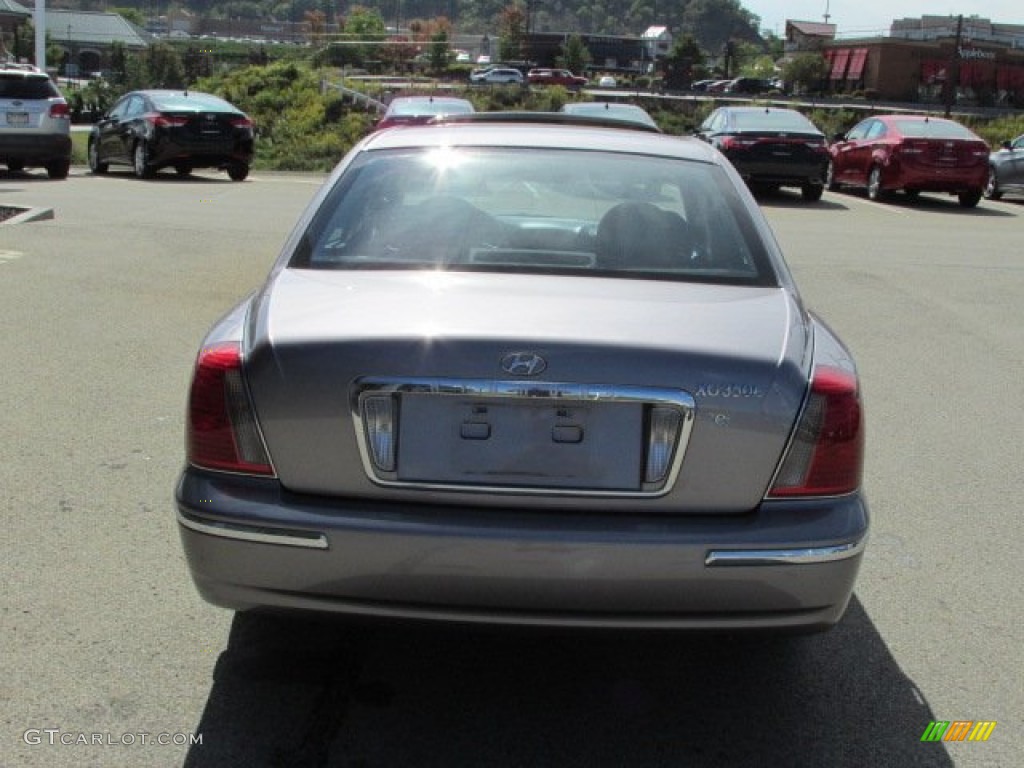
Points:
[(992, 190), (15, 165), (812, 192), (58, 169), (94, 159), (830, 178), (183, 169), (969, 197), (238, 171), (875, 191), (140, 160)]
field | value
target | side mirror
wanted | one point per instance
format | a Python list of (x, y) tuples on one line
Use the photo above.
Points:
[(1006, 144), (837, 137)]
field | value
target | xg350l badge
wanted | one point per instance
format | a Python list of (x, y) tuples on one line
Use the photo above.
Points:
[(523, 364), (729, 390)]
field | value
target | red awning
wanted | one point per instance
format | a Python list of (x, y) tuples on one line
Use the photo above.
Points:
[(839, 63), (1010, 78), (857, 62), (933, 71)]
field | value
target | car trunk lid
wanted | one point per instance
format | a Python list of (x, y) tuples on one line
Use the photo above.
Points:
[(475, 418)]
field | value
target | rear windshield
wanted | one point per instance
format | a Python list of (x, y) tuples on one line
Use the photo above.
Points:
[(537, 211), (933, 129), (175, 102), (20, 87), (625, 112), (773, 121), (427, 107)]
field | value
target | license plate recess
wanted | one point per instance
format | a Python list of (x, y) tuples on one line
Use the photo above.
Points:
[(520, 443)]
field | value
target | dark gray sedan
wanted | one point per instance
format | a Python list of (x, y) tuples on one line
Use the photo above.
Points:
[(184, 130), (557, 376), (770, 147), (1006, 170)]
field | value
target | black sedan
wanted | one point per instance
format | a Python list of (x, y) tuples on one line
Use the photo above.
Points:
[(150, 130), (770, 147)]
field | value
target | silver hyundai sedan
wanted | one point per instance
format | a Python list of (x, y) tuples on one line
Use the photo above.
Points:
[(546, 374)]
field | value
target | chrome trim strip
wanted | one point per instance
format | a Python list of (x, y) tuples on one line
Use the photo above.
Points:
[(533, 390), (801, 556), (262, 535)]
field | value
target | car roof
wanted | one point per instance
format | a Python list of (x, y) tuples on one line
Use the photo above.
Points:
[(548, 130)]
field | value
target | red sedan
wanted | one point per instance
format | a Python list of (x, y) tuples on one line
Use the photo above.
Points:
[(912, 153), (562, 77)]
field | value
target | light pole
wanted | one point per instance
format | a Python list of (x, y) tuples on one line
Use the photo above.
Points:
[(40, 22)]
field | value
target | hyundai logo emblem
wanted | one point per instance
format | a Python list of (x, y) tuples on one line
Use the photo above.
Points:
[(523, 364)]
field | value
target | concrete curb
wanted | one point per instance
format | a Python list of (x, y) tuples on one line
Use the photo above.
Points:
[(27, 215)]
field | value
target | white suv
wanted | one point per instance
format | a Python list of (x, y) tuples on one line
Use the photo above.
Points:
[(35, 122)]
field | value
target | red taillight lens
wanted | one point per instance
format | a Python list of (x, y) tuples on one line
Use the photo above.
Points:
[(165, 121), (732, 142), (241, 122), (826, 455), (222, 429), (60, 110)]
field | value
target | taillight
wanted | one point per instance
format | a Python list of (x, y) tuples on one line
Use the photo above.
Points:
[(60, 109), (221, 427), (826, 455), (241, 122), (165, 121), (733, 142)]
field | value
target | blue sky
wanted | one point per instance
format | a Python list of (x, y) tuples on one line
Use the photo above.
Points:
[(872, 17)]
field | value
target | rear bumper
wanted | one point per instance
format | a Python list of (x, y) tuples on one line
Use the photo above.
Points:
[(935, 179), (35, 148), (783, 173), (199, 154), (789, 564)]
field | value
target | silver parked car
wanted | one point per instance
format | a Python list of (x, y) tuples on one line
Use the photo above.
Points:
[(1006, 170), (35, 122), (548, 376), (497, 76)]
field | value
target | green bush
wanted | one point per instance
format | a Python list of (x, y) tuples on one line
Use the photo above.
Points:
[(299, 127)]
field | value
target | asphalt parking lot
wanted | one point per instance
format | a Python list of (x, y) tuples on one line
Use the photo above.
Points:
[(111, 659)]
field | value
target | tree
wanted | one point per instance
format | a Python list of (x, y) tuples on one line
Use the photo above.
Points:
[(684, 64), (805, 71), (716, 22), (439, 50), (361, 29), (511, 33), (575, 55), (164, 68)]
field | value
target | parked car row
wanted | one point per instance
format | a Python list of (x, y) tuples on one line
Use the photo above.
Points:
[(771, 147), (146, 130), (883, 154), (499, 74)]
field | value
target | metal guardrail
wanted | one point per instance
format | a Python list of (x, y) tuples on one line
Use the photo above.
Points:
[(356, 97)]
